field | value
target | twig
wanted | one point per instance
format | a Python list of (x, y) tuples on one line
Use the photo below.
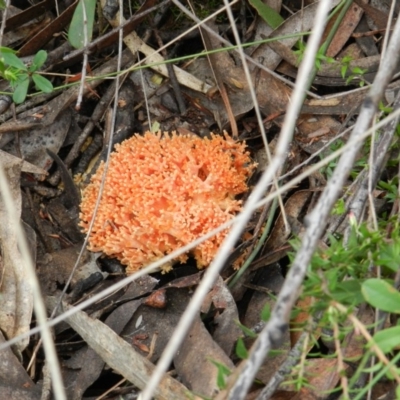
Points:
[(3, 21)]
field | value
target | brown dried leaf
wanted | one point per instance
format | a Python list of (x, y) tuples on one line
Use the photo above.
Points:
[(37, 41), (293, 207), (314, 132), (55, 268), (23, 30), (270, 280), (16, 291), (346, 28), (14, 376), (158, 322), (194, 360), (227, 331), (33, 145)]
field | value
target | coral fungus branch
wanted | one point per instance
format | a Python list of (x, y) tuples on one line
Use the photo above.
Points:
[(163, 191)]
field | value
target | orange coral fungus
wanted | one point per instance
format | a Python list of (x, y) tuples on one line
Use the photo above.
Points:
[(161, 193)]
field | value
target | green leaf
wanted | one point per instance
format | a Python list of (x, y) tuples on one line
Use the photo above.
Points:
[(76, 31), (389, 256), (348, 292), (42, 83), (343, 71), (339, 208), (248, 332), (12, 60), (268, 14), (155, 127), (7, 50), (358, 71), (373, 369), (266, 312), (39, 59), (223, 371), (12, 75), (241, 350), (382, 295), (388, 339), (21, 90)]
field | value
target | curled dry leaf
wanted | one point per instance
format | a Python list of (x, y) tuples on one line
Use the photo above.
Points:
[(24, 30)]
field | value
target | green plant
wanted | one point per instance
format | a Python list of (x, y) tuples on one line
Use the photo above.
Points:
[(339, 208), (222, 375), (19, 75), (391, 188), (345, 61), (355, 72), (319, 58), (241, 350), (339, 280), (327, 171)]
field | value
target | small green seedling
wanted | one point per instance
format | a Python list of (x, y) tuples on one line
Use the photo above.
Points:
[(19, 75), (320, 57)]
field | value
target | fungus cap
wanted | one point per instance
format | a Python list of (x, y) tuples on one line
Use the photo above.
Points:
[(162, 192)]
